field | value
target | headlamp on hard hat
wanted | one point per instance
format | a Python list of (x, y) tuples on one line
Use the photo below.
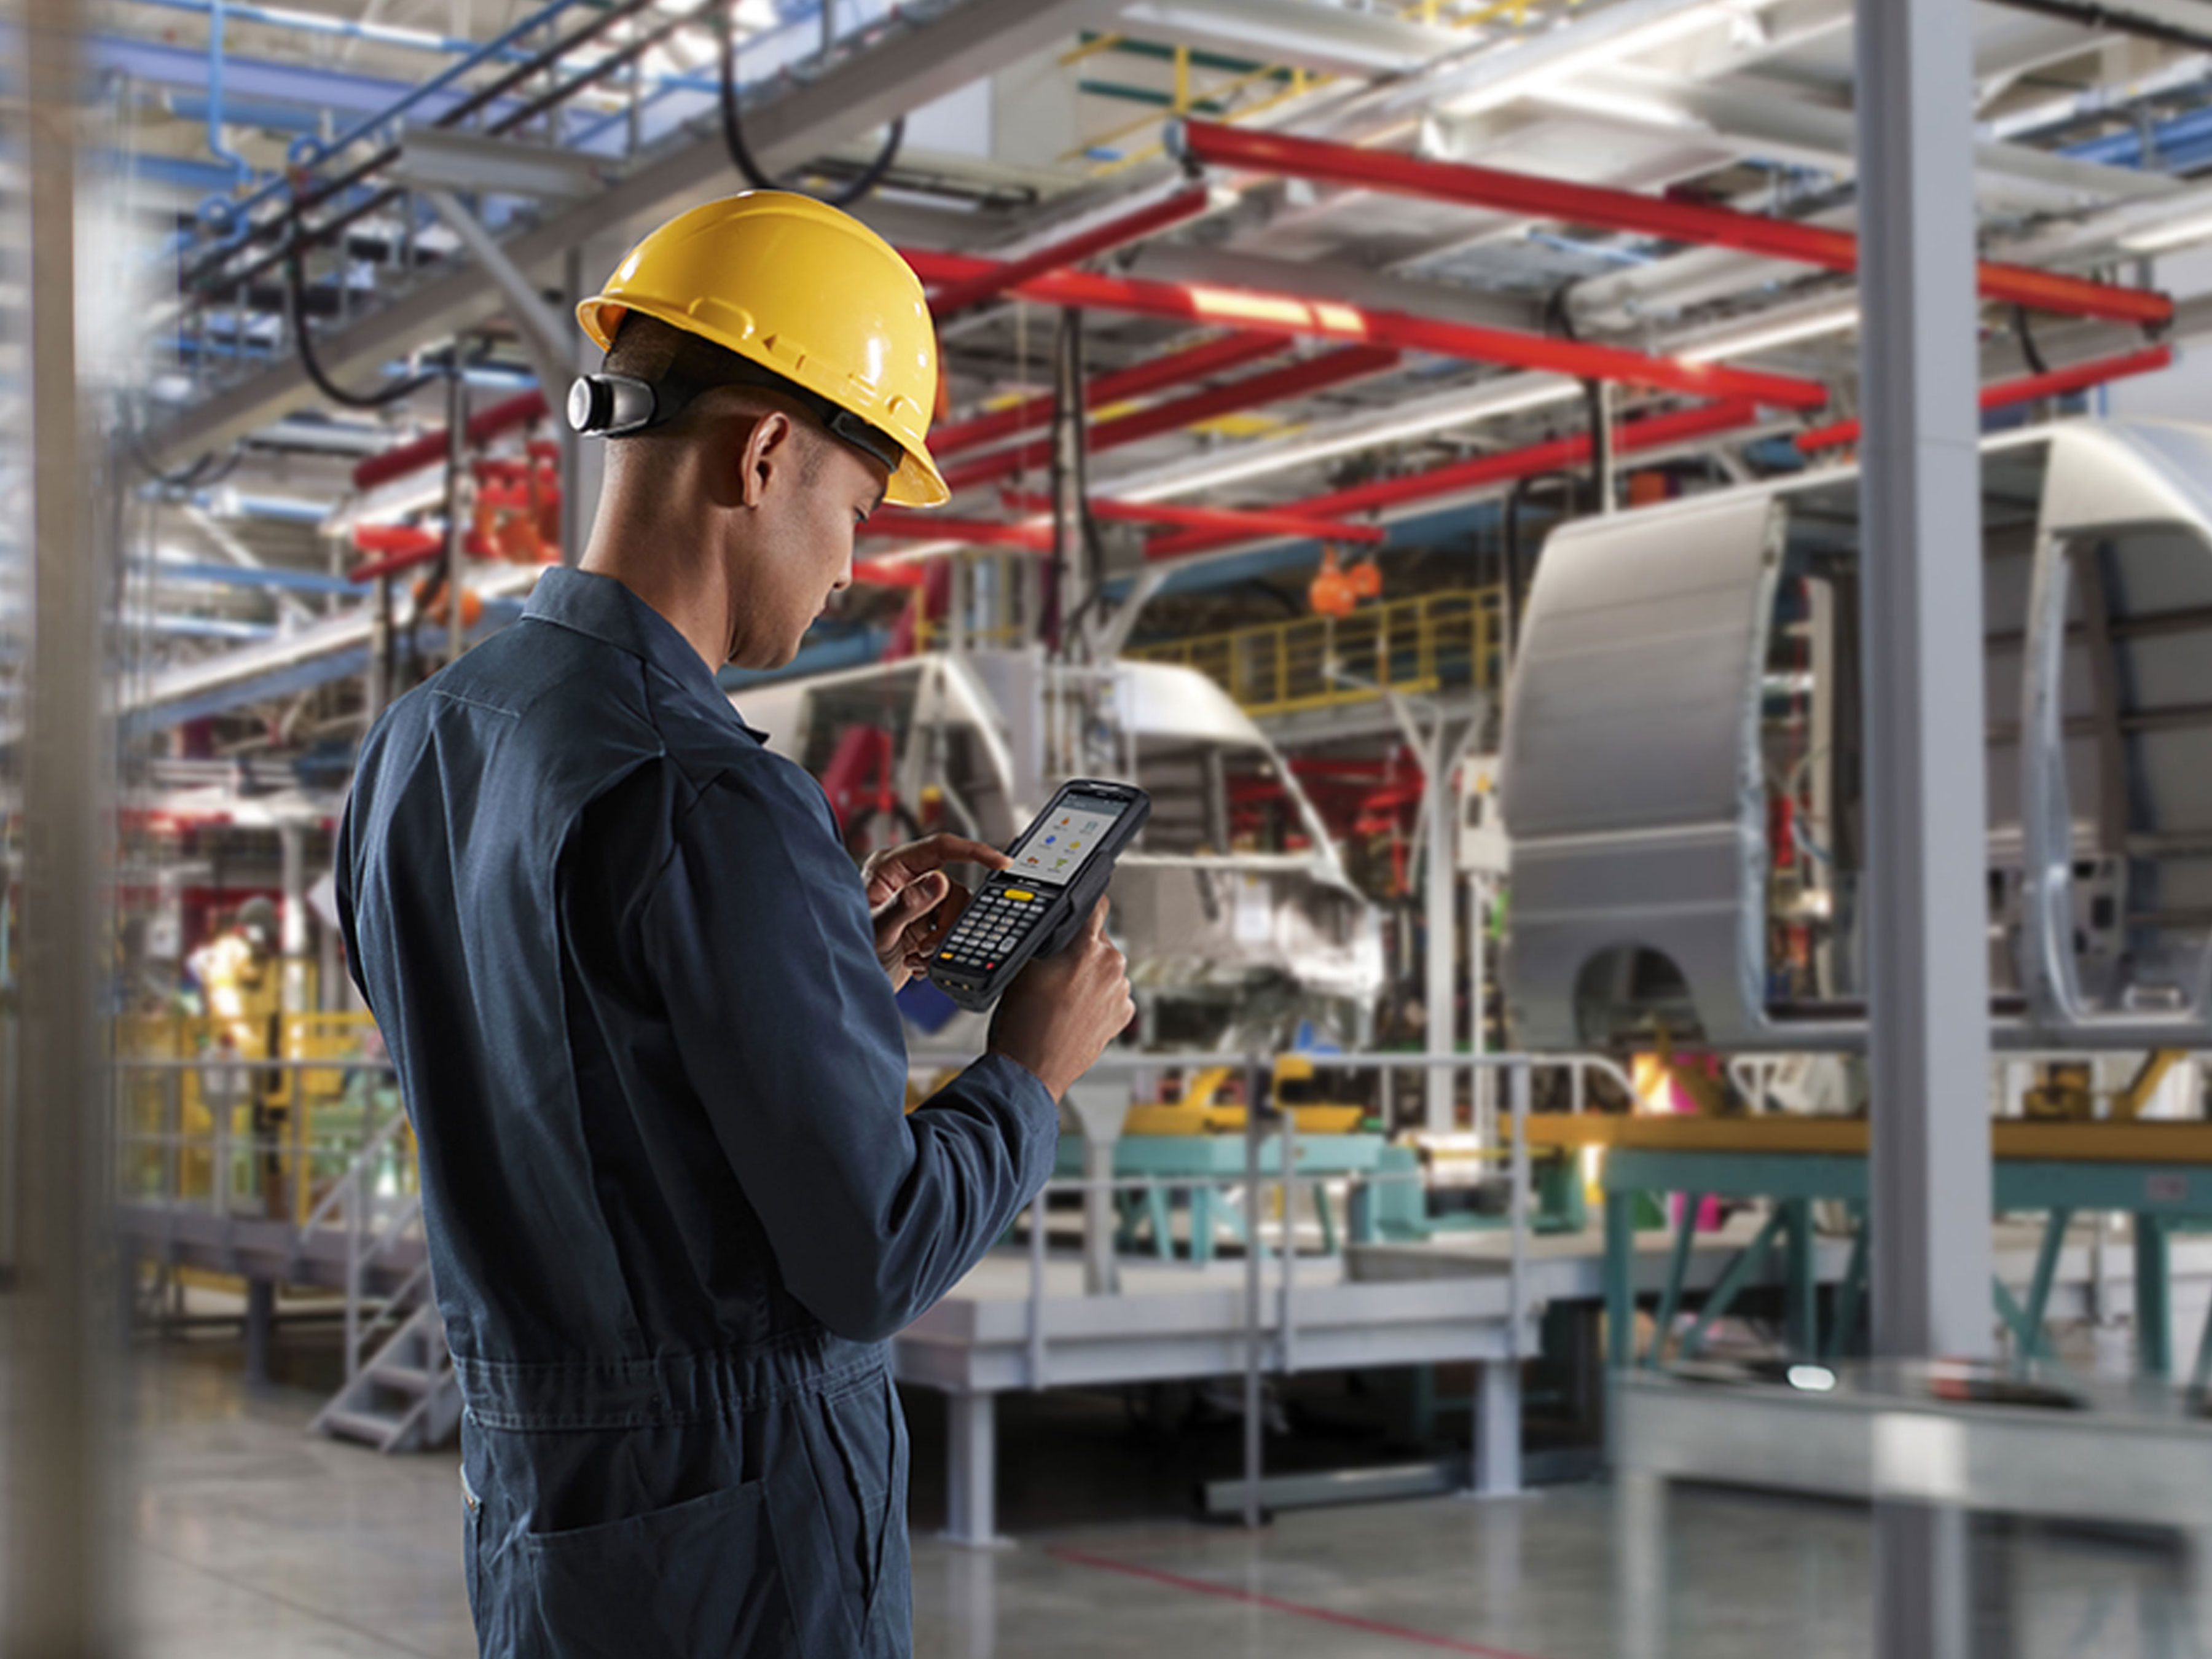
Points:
[(605, 405)]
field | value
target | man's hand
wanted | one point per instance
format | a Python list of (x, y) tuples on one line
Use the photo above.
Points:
[(913, 903), (1062, 1010)]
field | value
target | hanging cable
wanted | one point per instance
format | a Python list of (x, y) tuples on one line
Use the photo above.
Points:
[(2027, 346), (733, 136), (295, 299)]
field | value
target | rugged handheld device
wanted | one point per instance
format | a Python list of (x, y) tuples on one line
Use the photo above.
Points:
[(1062, 863)]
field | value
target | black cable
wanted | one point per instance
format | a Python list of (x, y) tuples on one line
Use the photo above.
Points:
[(2027, 346), (2092, 16), (1558, 317), (733, 136), (211, 468), (295, 299)]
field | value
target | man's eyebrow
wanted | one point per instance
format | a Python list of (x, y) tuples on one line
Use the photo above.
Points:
[(877, 504)]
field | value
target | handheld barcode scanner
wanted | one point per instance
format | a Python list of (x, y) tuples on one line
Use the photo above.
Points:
[(1062, 863)]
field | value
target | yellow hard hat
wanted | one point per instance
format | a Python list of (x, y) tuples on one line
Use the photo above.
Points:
[(794, 285)]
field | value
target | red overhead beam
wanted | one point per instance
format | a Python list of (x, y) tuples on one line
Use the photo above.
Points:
[(878, 572), (1652, 432), (1176, 368), (1621, 210), (430, 449), (1297, 379), (1263, 313), (1249, 521), (959, 294), (2002, 394), (931, 527)]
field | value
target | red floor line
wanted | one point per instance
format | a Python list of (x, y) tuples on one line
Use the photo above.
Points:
[(1275, 1603)]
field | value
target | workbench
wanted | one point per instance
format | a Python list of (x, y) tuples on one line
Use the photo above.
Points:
[(1206, 1165), (2159, 1174)]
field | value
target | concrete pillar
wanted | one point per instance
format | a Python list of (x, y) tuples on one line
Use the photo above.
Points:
[(971, 1470)]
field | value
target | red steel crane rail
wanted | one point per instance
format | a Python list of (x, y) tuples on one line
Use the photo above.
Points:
[(2002, 394), (895, 526), (430, 449), (1175, 368), (1250, 521), (1296, 379), (1262, 312), (1651, 432), (959, 294), (1493, 188)]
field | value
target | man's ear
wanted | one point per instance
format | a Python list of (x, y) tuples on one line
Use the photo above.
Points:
[(768, 447)]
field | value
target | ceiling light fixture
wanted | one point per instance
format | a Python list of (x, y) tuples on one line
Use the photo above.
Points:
[(1558, 68), (1505, 398), (2156, 238), (1765, 336)]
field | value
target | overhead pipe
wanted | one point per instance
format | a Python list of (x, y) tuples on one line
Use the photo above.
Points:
[(1494, 189), (1652, 432), (201, 276), (1297, 379), (1252, 521), (2004, 394), (1196, 362), (961, 294), (2100, 18), (221, 151), (1262, 312), (430, 449), (935, 527)]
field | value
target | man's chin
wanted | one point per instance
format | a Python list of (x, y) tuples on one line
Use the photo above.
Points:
[(761, 660)]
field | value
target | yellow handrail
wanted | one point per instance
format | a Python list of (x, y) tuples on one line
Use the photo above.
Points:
[(1427, 643)]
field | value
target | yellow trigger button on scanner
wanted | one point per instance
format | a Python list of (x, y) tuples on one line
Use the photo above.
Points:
[(1020, 894)]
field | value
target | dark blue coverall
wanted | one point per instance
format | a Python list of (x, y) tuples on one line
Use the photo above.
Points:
[(628, 976)]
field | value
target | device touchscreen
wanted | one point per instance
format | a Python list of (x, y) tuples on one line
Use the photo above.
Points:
[(1061, 843)]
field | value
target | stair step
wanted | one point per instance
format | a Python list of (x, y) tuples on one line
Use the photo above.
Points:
[(374, 1428), (402, 1379)]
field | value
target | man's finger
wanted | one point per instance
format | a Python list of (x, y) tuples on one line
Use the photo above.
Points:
[(1096, 925), (936, 851), (911, 901)]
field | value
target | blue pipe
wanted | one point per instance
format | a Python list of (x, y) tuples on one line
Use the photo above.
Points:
[(239, 576), (345, 29), (221, 151)]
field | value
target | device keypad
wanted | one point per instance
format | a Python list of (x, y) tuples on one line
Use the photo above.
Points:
[(993, 925)]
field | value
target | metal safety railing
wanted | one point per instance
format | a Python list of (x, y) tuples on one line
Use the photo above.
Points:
[(1444, 640), (358, 1182), (1262, 1356)]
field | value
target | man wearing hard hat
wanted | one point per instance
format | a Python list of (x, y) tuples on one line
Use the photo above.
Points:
[(641, 1004)]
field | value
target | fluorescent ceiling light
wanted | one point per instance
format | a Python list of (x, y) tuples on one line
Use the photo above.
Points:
[(1765, 338), (2154, 239), (1642, 111), (1504, 398)]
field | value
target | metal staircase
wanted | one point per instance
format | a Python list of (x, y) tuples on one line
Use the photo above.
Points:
[(404, 1398)]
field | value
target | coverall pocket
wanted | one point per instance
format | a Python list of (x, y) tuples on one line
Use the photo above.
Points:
[(863, 1490), (699, 1578)]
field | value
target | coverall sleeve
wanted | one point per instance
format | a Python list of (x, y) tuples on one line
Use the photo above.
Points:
[(757, 933)]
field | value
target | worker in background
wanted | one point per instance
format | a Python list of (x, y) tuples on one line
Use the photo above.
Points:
[(642, 1006), (242, 979)]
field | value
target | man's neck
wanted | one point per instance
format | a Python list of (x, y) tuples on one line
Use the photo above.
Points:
[(654, 562)]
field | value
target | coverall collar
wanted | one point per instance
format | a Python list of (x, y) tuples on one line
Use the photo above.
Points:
[(605, 610)]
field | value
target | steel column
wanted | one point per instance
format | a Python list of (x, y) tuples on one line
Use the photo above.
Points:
[(1619, 1281), (971, 1469), (1927, 930), (59, 1599), (2154, 1297)]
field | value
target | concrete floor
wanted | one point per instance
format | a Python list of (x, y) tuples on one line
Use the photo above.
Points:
[(253, 1540)]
